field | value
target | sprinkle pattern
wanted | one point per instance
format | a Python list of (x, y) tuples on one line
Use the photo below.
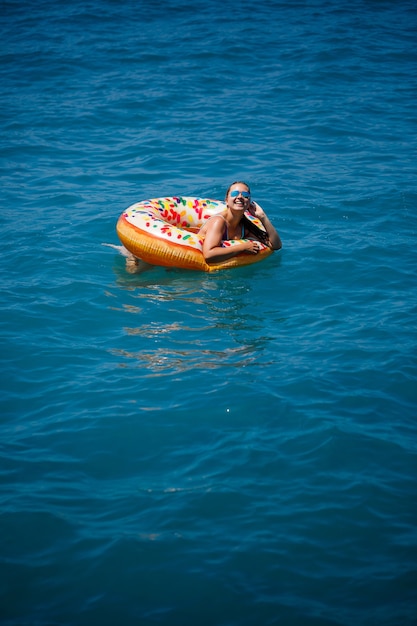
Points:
[(174, 218)]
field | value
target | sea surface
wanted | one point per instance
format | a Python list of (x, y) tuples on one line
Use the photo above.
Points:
[(227, 449)]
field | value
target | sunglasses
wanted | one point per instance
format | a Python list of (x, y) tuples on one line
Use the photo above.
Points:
[(235, 193)]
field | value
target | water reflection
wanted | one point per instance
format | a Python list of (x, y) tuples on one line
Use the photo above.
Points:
[(163, 361), (191, 321)]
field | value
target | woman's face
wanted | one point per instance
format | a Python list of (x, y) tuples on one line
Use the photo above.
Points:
[(238, 197)]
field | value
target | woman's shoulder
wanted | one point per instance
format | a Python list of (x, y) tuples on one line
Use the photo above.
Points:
[(219, 218), (221, 215)]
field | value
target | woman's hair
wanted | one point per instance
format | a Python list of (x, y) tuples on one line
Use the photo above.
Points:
[(248, 224), (255, 230)]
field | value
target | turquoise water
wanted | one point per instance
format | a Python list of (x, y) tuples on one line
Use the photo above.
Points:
[(235, 449)]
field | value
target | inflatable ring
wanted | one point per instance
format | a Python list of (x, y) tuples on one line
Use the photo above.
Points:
[(164, 231)]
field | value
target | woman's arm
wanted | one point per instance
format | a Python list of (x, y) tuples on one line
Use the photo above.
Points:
[(274, 238), (212, 246)]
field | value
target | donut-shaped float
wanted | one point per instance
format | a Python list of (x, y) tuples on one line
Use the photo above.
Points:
[(164, 231)]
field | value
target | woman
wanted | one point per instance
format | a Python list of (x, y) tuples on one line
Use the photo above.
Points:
[(232, 224)]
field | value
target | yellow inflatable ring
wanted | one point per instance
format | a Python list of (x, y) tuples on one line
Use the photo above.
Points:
[(163, 231)]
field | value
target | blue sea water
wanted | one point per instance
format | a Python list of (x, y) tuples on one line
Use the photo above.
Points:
[(228, 449)]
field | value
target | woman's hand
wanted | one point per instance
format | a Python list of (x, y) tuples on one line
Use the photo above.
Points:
[(256, 210), (252, 246)]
